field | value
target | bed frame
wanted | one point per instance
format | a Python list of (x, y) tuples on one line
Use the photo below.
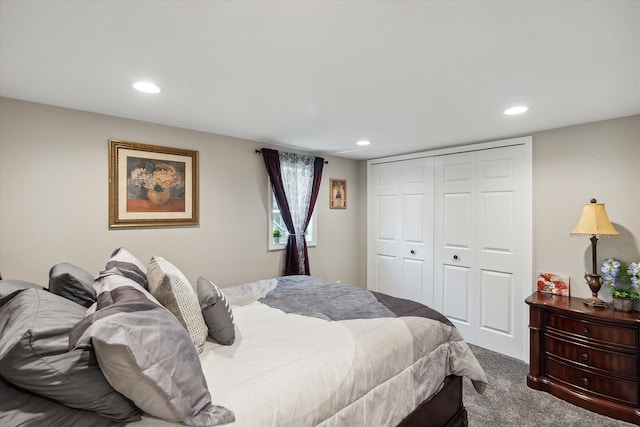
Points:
[(445, 409)]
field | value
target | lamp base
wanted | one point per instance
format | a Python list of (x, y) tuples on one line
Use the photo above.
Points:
[(594, 281), (594, 302)]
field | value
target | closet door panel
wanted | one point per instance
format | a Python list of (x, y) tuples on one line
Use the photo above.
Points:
[(498, 288), (457, 300), (412, 279), (457, 215), (495, 234), (412, 221), (386, 214), (386, 267)]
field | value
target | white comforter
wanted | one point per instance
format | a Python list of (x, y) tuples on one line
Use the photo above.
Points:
[(292, 370)]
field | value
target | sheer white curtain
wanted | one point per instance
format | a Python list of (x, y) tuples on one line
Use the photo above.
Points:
[(297, 173)]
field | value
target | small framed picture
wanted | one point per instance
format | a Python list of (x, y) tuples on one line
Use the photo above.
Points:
[(338, 194), (552, 283), (152, 186)]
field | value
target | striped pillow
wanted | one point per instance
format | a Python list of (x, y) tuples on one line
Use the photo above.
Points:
[(146, 355), (124, 263)]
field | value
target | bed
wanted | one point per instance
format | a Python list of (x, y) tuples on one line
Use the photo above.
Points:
[(305, 352)]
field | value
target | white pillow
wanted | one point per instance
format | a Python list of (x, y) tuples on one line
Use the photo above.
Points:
[(172, 289)]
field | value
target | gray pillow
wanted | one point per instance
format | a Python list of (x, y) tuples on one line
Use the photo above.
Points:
[(35, 355), (147, 355), (216, 311), (21, 408), (73, 283), (173, 290), (10, 286), (125, 264)]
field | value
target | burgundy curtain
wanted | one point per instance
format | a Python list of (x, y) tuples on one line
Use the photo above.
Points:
[(292, 264)]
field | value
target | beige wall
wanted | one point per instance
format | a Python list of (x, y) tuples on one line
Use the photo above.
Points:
[(571, 165), (54, 199)]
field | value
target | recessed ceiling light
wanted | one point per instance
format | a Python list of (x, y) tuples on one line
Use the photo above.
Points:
[(145, 87), (363, 142), (516, 110)]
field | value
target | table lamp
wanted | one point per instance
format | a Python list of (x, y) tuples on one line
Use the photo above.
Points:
[(595, 223)]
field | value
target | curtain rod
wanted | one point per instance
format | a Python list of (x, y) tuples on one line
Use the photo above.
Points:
[(258, 152)]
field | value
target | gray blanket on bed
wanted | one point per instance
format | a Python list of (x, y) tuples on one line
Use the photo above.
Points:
[(311, 296)]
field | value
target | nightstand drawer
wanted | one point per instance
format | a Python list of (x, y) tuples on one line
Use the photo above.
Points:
[(613, 388), (625, 365), (627, 337)]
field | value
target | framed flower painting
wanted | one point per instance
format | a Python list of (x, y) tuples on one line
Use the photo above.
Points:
[(152, 186), (552, 283)]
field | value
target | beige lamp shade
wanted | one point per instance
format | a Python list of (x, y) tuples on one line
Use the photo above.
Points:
[(594, 221)]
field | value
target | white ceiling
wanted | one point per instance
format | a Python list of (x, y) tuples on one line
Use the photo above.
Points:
[(319, 75)]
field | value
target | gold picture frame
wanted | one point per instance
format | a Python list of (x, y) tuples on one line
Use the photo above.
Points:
[(338, 194), (152, 186)]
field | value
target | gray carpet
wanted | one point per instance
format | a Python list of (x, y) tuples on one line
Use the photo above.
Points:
[(508, 401)]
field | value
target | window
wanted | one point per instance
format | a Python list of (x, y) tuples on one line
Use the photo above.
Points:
[(277, 223)]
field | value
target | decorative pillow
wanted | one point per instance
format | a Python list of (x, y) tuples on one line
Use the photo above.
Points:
[(21, 408), (35, 355), (10, 286), (216, 311), (125, 264), (146, 354), (73, 283), (174, 291)]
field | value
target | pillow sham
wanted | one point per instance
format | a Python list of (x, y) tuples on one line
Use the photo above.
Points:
[(35, 355), (21, 408), (73, 283), (216, 311), (9, 286), (173, 290), (125, 264), (147, 355)]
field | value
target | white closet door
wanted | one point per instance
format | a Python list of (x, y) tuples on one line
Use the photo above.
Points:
[(502, 212), (402, 217), (454, 238), (480, 215), (385, 218)]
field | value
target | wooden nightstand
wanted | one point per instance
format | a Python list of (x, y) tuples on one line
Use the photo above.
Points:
[(585, 355)]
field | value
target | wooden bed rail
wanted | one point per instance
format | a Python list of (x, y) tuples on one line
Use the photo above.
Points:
[(445, 409)]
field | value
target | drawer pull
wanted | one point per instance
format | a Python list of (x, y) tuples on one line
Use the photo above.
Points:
[(586, 330), (585, 381), (585, 357)]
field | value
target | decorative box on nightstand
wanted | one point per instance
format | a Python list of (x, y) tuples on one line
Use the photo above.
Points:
[(585, 355)]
